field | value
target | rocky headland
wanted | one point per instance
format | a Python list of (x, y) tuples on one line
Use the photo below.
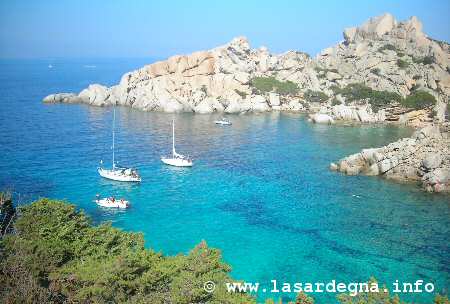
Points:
[(383, 71)]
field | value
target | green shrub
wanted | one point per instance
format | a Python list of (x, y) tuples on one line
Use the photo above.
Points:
[(287, 88), (315, 96), (375, 71), (336, 90), (359, 91), (335, 102), (414, 87), (427, 60), (400, 54), (402, 63), (389, 47), (270, 84), (240, 93), (417, 77), (423, 60), (419, 100)]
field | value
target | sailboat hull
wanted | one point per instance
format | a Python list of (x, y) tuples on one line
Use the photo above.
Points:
[(117, 175), (177, 162)]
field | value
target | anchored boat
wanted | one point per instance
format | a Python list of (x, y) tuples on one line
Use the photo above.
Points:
[(120, 174), (176, 159), (223, 122)]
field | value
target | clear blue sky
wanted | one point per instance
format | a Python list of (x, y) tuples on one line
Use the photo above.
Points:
[(119, 28)]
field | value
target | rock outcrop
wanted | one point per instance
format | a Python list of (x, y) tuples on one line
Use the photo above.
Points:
[(321, 118), (387, 55), (62, 97), (425, 158), (382, 53)]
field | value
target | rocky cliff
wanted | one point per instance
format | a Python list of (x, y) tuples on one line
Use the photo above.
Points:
[(424, 158), (382, 55)]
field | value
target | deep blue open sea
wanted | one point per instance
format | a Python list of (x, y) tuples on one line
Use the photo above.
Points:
[(260, 190)]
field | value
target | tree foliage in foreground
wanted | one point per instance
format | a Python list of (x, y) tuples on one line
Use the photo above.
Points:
[(57, 256)]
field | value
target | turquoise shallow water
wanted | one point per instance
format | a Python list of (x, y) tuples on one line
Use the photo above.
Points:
[(260, 190)]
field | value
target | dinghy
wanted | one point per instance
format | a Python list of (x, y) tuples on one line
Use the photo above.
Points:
[(223, 122), (176, 159)]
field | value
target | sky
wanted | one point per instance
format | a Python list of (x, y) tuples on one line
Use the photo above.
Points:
[(159, 29)]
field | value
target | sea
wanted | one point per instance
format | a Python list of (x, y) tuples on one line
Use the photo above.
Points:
[(260, 190)]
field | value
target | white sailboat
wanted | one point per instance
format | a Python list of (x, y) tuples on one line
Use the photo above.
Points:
[(176, 159), (118, 173)]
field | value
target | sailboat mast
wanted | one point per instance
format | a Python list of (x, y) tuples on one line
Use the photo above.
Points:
[(113, 137), (173, 137)]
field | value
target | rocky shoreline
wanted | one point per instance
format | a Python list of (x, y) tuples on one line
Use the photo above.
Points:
[(422, 158), (391, 59), (384, 71)]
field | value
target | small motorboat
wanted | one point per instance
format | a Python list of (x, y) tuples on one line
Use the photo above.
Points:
[(176, 159), (112, 202), (223, 122)]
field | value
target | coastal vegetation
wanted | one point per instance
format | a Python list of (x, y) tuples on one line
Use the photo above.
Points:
[(55, 255), (335, 102), (403, 64), (240, 93), (378, 99), (271, 84), (375, 71), (423, 60), (388, 47), (359, 91), (419, 100), (315, 96)]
